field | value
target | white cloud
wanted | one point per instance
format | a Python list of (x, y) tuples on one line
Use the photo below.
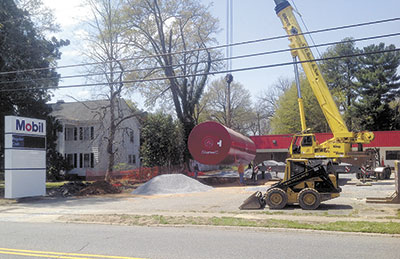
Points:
[(69, 12), (71, 53)]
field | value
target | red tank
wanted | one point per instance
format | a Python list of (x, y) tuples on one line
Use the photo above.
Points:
[(212, 143)]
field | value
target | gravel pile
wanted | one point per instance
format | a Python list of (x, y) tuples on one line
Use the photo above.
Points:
[(171, 184)]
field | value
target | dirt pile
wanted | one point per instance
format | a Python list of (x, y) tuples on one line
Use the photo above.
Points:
[(67, 190), (83, 189), (171, 184), (99, 187)]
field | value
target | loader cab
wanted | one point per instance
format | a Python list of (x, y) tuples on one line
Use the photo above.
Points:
[(294, 167), (303, 145)]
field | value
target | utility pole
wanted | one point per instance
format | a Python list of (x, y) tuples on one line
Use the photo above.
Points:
[(229, 41)]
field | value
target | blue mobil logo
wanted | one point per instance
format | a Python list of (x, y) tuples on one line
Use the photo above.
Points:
[(31, 126)]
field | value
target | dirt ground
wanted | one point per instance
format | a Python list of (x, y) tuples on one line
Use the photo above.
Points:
[(223, 200)]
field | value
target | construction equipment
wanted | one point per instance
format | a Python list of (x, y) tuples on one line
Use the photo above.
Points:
[(305, 182), (369, 164), (304, 144), (395, 197), (364, 164), (309, 176)]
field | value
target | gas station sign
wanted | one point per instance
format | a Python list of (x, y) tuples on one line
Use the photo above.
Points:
[(25, 157)]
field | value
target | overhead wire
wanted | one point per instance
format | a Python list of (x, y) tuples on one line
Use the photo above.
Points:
[(203, 74), (204, 49), (215, 60)]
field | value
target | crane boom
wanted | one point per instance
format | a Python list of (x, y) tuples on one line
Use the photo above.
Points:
[(340, 144), (300, 49)]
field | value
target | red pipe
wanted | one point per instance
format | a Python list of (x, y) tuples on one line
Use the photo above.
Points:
[(212, 143)]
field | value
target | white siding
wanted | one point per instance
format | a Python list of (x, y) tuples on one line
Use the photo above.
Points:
[(97, 146)]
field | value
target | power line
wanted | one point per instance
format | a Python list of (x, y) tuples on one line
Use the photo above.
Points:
[(203, 74), (206, 48), (216, 60)]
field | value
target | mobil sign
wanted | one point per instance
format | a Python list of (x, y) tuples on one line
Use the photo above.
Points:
[(24, 157), (24, 125)]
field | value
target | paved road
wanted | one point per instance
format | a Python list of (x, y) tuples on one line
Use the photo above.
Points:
[(219, 202), (86, 240)]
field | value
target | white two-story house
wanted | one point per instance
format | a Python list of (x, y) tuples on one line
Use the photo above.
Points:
[(83, 139)]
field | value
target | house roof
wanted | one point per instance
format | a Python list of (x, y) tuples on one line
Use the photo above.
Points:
[(382, 139), (78, 111)]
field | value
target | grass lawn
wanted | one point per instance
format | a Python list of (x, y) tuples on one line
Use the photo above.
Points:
[(344, 226), (49, 185)]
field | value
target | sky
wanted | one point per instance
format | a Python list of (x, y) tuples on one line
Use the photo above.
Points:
[(252, 19)]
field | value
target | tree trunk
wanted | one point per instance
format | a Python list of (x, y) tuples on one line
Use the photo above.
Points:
[(111, 137)]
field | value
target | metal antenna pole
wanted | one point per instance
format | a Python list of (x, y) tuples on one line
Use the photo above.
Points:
[(229, 40)]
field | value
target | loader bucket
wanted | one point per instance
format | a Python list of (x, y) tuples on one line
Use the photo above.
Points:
[(254, 202)]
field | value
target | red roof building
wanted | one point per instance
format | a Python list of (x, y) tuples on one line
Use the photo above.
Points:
[(275, 147)]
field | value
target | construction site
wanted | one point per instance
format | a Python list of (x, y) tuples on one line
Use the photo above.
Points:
[(127, 132), (316, 177)]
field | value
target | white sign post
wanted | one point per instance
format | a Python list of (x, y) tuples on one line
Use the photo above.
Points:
[(25, 157)]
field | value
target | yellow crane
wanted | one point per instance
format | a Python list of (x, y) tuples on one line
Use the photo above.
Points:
[(308, 180), (305, 146)]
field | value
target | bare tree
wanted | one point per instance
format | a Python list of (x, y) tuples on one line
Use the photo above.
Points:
[(215, 105), (259, 124), (176, 34), (105, 46), (268, 100)]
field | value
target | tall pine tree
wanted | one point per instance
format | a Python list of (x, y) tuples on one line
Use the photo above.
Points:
[(340, 75), (378, 84)]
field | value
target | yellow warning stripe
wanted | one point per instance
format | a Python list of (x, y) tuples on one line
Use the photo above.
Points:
[(43, 255), (58, 255)]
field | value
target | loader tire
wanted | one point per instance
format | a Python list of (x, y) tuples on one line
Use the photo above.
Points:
[(276, 198), (309, 199)]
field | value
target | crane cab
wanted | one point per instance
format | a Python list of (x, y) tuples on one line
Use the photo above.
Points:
[(303, 146)]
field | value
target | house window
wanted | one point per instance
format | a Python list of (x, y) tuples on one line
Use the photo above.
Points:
[(75, 133), (86, 160), (131, 159), (69, 134), (84, 133)]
